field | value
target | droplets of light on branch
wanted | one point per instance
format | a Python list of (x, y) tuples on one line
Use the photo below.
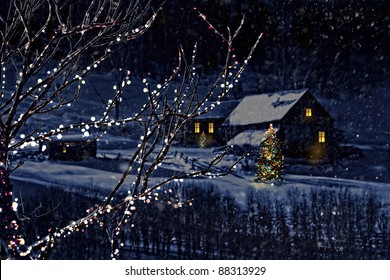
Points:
[(15, 205)]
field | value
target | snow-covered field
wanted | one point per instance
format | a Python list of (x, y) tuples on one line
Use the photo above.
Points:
[(102, 173), (362, 121), (94, 178)]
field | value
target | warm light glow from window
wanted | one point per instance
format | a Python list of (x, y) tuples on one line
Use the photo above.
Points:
[(321, 136), (308, 112), (197, 127), (64, 150), (211, 127)]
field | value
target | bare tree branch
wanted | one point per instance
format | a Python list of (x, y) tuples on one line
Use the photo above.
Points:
[(75, 40)]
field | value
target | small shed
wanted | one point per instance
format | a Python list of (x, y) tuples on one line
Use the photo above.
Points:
[(69, 147)]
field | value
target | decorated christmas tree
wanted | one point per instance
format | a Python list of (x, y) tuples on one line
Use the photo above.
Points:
[(202, 140), (271, 159)]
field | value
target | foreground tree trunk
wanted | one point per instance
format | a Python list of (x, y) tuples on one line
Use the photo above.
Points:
[(76, 36), (76, 45), (11, 229)]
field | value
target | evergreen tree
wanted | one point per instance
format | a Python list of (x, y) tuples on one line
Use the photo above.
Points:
[(271, 159), (202, 140)]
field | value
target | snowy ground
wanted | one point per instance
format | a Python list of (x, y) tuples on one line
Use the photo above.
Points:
[(104, 172), (362, 120)]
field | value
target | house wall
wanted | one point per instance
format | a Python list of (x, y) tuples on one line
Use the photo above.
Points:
[(189, 137), (300, 133)]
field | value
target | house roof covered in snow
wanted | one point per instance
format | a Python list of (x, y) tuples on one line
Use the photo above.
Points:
[(263, 108), (248, 137), (220, 111), (71, 138)]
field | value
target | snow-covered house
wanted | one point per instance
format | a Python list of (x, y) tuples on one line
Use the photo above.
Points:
[(303, 124), (69, 147)]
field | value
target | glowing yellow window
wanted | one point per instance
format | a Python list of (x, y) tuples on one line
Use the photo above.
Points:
[(321, 136), (64, 150), (308, 112), (197, 127), (211, 127)]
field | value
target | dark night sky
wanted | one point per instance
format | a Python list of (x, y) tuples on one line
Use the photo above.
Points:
[(328, 45), (333, 40)]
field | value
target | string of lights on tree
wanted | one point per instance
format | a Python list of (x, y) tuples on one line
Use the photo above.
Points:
[(271, 159), (44, 95), (153, 116)]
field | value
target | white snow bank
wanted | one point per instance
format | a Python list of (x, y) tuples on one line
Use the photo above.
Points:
[(250, 137)]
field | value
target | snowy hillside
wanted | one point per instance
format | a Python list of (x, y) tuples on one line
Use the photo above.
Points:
[(103, 172), (361, 120), (361, 174)]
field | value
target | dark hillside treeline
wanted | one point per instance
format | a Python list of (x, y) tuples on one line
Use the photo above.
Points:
[(325, 45), (328, 46), (331, 223)]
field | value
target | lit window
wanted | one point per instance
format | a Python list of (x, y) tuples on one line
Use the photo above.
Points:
[(197, 127), (64, 150), (308, 112), (211, 127), (321, 136)]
